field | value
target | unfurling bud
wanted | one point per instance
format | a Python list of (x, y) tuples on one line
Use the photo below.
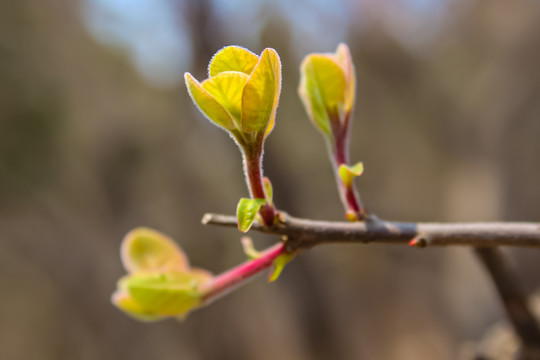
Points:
[(241, 93), (160, 283), (327, 89)]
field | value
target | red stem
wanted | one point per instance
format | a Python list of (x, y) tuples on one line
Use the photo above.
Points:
[(253, 167), (230, 280), (349, 195)]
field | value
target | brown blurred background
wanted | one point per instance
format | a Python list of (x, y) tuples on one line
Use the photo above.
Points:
[(98, 136)]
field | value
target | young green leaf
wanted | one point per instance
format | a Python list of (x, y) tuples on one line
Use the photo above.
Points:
[(246, 211), (160, 282), (322, 89), (155, 296), (261, 94), (124, 302), (169, 294), (145, 249), (226, 88), (242, 91), (348, 173), (232, 58), (279, 264), (208, 105)]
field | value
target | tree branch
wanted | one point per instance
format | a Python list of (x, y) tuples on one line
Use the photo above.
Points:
[(305, 233), (484, 237), (513, 299)]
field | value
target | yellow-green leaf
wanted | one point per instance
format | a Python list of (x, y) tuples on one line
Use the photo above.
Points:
[(166, 294), (328, 78), (226, 88), (322, 89), (145, 249), (232, 58), (126, 303), (348, 173), (345, 61), (246, 211), (261, 94), (207, 104), (279, 264)]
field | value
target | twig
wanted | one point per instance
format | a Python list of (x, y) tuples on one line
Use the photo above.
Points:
[(239, 275), (304, 233), (514, 300)]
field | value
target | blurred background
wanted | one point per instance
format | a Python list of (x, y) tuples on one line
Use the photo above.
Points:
[(98, 136)]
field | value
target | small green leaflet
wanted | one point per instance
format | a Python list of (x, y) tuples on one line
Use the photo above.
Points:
[(279, 264), (348, 173), (246, 211)]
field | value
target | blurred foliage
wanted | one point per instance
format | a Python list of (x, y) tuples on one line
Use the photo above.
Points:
[(446, 124)]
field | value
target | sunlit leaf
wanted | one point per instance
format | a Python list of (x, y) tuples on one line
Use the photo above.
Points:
[(327, 87), (232, 58), (208, 105), (322, 89), (145, 249), (279, 264), (246, 211), (167, 294), (226, 88), (126, 303), (348, 173), (261, 94), (328, 78)]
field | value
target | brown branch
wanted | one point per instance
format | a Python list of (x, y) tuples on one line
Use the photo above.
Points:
[(304, 233), (513, 299), (484, 237)]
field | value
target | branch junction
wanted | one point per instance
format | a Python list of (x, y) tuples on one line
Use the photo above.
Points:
[(304, 233)]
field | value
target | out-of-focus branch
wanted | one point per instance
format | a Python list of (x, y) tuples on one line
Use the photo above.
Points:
[(305, 233), (514, 301)]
